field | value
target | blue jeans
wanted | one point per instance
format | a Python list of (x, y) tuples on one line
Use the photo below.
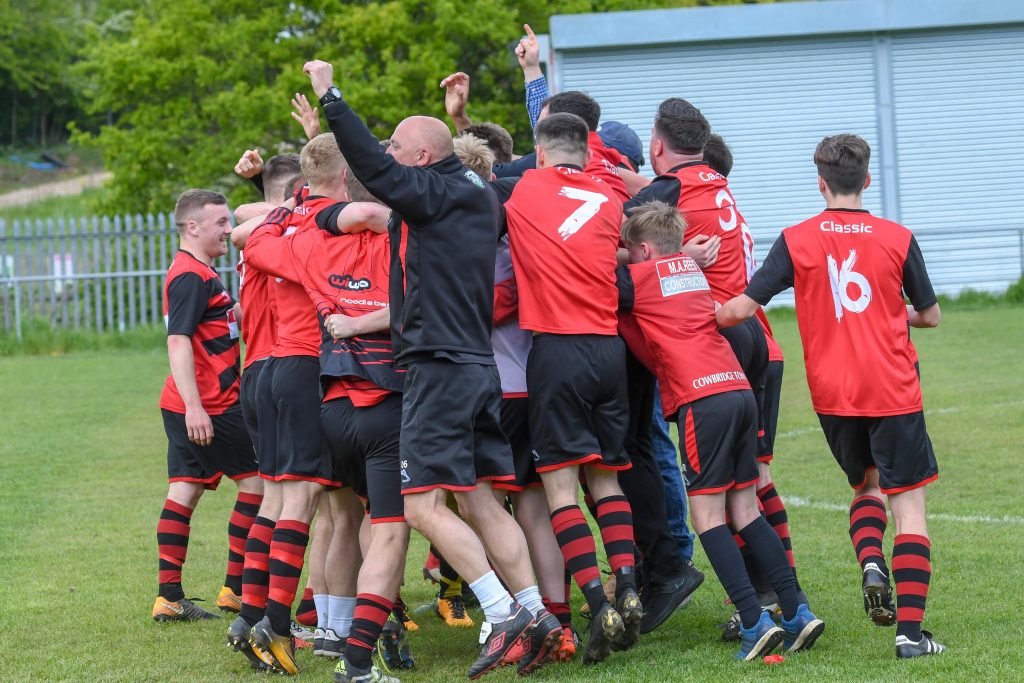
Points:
[(666, 455)]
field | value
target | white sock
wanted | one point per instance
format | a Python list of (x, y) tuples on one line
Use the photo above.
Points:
[(494, 599), (342, 610), (530, 599), (322, 610)]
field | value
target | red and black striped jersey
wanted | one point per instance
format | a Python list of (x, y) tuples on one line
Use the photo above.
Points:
[(347, 274), (667, 318), (197, 305), (563, 227)]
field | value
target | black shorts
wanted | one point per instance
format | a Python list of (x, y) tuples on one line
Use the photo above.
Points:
[(768, 415), (451, 427), (229, 454), (751, 348), (718, 436), (897, 445), (248, 394), (291, 442), (579, 412), (364, 446), (515, 423)]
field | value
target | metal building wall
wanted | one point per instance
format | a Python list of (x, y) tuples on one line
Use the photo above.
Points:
[(941, 110)]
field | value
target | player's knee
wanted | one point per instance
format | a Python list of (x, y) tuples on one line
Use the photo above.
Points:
[(185, 493)]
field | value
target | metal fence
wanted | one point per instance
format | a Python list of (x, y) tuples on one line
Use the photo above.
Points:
[(98, 274), (108, 274)]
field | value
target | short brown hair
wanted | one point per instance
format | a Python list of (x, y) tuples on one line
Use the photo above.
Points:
[(566, 133), (321, 160), (681, 126), (277, 174), (656, 223), (191, 202), (718, 155), (496, 137), (475, 154), (842, 162)]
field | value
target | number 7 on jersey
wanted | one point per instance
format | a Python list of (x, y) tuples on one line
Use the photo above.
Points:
[(592, 202)]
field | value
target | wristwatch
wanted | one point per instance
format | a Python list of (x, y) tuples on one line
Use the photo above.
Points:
[(333, 94)]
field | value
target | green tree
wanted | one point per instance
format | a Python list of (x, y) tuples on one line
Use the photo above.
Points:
[(190, 84)]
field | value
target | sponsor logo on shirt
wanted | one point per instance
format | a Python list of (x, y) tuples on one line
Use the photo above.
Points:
[(348, 282), (474, 178), (708, 176), (679, 275), (845, 228), (708, 380)]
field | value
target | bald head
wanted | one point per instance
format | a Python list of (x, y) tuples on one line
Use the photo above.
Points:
[(421, 141)]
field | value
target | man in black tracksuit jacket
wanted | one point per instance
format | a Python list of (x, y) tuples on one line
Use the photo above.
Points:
[(444, 232)]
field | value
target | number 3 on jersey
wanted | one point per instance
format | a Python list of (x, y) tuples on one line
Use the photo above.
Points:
[(592, 202), (728, 221)]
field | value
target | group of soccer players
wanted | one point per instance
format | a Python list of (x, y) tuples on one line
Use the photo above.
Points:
[(445, 338)]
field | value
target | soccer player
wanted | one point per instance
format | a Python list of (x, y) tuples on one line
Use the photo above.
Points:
[(443, 239), (206, 437), (669, 321), (685, 180), (850, 270), (511, 351), (563, 231), (346, 277), (295, 456)]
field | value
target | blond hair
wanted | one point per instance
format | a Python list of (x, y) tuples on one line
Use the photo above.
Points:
[(657, 223), (321, 160), (475, 154)]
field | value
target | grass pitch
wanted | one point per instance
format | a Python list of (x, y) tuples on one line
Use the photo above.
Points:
[(82, 480)]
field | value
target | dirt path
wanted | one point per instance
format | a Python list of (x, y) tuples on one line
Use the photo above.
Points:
[(60, 188)]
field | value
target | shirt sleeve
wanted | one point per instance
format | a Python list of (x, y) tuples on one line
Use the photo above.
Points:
[(187, 300), (327, 218), (624, 283), (536, 93), (257, 181), (517, 167), (916, 283), (775, 274), (662, 189)]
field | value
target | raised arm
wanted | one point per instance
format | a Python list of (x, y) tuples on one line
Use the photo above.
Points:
[(411, 191), (528, 53), (306, 115), (456, 95)]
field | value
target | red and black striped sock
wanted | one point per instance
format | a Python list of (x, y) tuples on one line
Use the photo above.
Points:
[(287, 554), (561, 610), (172, 542), (247, 505), (867, 528), (912, 571), (255, 572), (615, 519), (367, 622), (305, 613), (577, 543), (775, 513)]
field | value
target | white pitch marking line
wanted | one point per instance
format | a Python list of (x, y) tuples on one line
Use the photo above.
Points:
[(799, 502)]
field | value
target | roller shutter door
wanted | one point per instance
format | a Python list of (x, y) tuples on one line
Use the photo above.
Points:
[(959, 109), (771, 101)]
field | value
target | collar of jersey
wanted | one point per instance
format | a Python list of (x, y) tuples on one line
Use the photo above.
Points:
[(688, 163), (578, 168)]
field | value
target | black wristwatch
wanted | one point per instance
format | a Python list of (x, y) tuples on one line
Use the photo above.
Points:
[(333, 94)]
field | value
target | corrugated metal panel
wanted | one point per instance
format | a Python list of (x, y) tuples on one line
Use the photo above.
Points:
[(771, 101), (959, 99)]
